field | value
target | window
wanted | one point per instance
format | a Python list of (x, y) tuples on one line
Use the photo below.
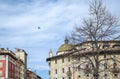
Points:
[(68, 68), (87, 75), (106, 45), (49, 64), (69, 78), (56, 61), (63, 70), (105, 65), (2, 57), (1, 64), (114, 56), (79, 68), (49, 72), (104, 55), (55, 71), (114, 65), (78, 76), (68, 59), (105, 76), (62, 60), (0, 73), (115, 76)]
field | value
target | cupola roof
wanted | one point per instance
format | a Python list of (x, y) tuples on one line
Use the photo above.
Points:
[(65, 47)]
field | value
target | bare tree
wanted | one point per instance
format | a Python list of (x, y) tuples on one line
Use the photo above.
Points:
[(100, 26)]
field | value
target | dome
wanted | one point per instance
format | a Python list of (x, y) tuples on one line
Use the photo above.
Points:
[(65, 47)]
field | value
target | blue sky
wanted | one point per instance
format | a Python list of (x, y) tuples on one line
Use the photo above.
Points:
[(20, 19)]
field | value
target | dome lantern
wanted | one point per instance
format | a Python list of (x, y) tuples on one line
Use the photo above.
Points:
[(66, 41)]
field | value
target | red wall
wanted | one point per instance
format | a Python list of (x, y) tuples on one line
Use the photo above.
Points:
[(3, 67), (11, 70)]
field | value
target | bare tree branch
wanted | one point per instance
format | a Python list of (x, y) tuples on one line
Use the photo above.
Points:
[(100, 26)]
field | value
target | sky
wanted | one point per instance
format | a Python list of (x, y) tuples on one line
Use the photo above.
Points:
[(20, 19)]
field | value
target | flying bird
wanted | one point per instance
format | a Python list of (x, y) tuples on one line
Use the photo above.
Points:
[(38, 27)]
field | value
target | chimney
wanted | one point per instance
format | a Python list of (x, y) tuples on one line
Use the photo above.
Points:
[(21, 50), (2, 49), (17, 50), (7, 48)]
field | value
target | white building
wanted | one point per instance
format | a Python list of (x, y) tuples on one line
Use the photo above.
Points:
[(62, 66), (22, 55)]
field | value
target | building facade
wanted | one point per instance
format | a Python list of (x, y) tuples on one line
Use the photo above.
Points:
[(32, 75), (62, 66), (13, 65), (7, 64), (17, 69), (22, 56), (22, 70)]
